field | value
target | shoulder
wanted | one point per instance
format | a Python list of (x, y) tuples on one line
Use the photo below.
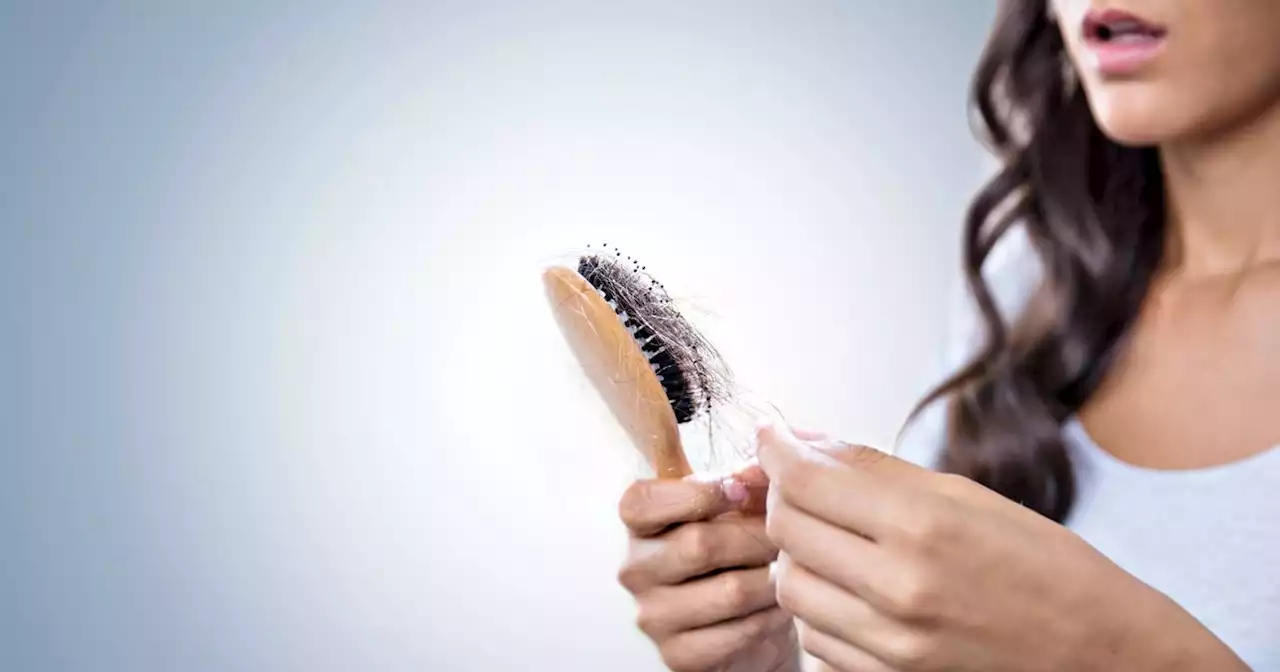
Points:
[(1012, 271)]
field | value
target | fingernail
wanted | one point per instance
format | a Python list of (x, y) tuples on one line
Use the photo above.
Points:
[(735, 490), (832, 445), (809, 434)]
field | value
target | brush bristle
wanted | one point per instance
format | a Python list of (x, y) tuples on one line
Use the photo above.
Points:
[(689, 369)]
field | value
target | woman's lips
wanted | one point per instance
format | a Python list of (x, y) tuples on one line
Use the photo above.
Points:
[(1120, 43)]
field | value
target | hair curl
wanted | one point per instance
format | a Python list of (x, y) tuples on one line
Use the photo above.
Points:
[(1093, 211)]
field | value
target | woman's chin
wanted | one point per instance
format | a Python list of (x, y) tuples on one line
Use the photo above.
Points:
[(1136, 131), (1138, 120), (1132, 138)]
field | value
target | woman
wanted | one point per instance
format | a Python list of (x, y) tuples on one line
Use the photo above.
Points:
[(1101, 493)]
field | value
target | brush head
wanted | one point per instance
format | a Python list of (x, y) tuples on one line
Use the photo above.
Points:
[(652, 368), (647, 313)]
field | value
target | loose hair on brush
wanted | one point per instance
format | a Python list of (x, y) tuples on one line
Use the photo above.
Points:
[(692, 372), (1093, 210), (715, 413)]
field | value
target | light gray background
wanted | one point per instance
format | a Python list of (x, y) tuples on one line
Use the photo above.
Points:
[(278, 388)]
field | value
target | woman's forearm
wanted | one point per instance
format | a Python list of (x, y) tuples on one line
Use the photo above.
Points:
[(1198, 650), (1170, 639)]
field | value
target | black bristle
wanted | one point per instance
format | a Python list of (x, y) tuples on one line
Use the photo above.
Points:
[(690, 371)]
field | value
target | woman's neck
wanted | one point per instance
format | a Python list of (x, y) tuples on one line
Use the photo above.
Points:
[(1224, 200)]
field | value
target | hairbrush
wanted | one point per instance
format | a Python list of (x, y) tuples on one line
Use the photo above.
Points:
[(651, 367)]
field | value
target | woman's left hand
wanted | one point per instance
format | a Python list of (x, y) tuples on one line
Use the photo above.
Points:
[(891, 567)]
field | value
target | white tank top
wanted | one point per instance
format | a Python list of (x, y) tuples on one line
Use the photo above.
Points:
[(1207, 538)]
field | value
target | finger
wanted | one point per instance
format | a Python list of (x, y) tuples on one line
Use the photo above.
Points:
[(928, 502), (668, 610), (868, 458), (853, 455), (829, 610), (836, 654), (859, 500), (694, 549), (748, 485), (711, 648), (652, 505), (852, 562)]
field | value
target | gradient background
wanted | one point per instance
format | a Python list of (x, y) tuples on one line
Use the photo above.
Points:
[(278, 387)]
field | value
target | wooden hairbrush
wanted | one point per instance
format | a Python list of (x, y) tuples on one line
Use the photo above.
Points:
[(652, 369)]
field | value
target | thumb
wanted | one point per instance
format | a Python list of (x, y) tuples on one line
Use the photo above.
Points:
[(652, 505)]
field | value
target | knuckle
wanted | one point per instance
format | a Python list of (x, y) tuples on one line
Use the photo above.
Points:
[(757, 627), (696, 547), (923, 528), (647, 621), (631, 505), (629, 577), (952, 486), (915, 596), (909, 650), (929, 529), (735, 591)]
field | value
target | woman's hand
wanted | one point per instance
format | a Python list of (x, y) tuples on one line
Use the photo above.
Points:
[(699, 570), (890, 567)]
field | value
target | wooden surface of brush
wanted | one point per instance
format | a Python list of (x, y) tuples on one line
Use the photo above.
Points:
[(619, 370)]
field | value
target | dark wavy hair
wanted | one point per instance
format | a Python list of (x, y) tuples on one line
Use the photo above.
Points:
[(1093, 210)]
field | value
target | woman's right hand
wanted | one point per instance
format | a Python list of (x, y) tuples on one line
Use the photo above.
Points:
[(698, 567)]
